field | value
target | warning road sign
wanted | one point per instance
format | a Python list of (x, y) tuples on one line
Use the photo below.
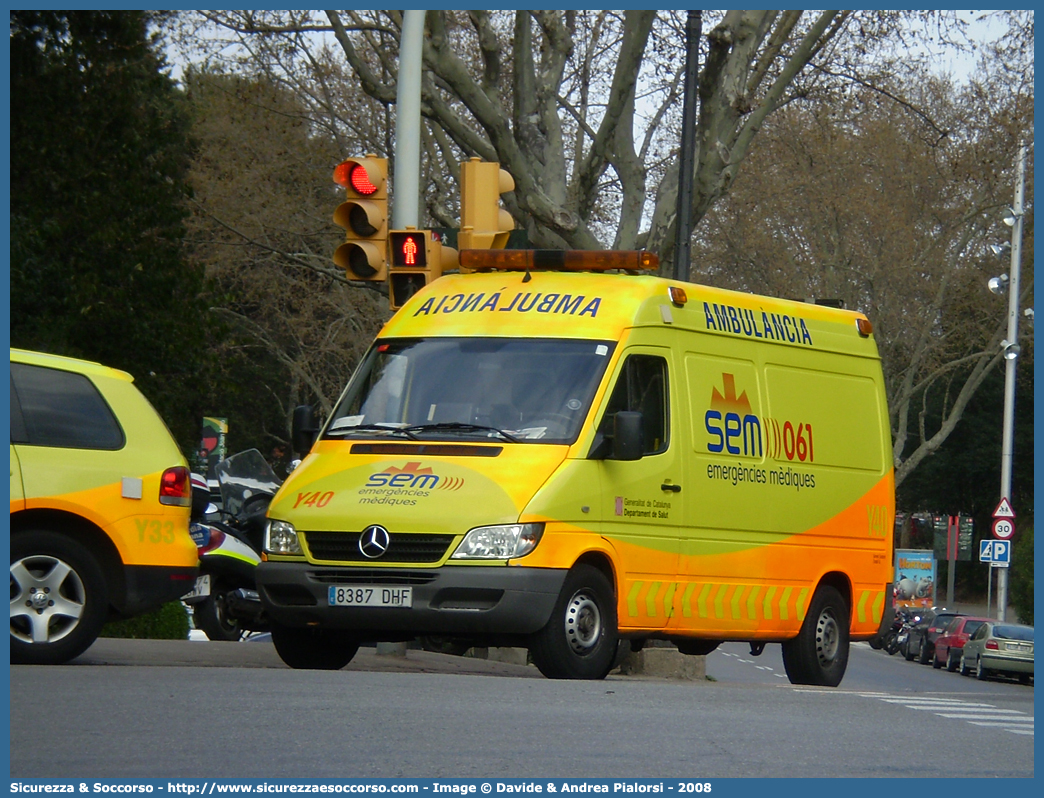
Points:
[(1004, 510)]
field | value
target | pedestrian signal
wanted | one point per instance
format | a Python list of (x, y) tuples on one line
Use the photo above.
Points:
[(416, 258)]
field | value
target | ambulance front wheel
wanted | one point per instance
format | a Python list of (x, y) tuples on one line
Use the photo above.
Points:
[(314, 649), (580, 639), (819, 654)]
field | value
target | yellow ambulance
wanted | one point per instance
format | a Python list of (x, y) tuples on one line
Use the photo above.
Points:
[(100, 500), (560, 452)]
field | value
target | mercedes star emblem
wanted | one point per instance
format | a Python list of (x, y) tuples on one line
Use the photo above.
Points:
[(374, 541)]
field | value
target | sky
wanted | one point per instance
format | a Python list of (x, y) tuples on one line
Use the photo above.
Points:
[(961, 65)]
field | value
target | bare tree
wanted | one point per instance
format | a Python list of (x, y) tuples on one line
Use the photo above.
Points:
[(581, 107), (863, 200), (261, 204)]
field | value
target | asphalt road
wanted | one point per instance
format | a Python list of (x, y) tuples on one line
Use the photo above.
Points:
[(169, 709)]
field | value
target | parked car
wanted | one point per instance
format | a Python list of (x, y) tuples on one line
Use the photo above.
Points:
[(998, 647), (99, 506), (948, 645), (921, 641)]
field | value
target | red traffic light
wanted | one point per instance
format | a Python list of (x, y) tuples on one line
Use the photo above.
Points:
[(360, 181), (355, 175)]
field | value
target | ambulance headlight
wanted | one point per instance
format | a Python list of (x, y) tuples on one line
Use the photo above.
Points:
[(501, 542), (281, 538)]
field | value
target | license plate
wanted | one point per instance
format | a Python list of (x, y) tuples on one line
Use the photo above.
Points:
[(201, 588), (370, 596)]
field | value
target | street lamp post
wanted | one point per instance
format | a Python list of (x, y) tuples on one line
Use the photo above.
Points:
[(1011, 354)]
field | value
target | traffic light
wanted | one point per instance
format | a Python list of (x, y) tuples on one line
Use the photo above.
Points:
[(364, 216), (483, 223), (416, 258)]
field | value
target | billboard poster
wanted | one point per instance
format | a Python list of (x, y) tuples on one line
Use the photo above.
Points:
[(914, 578), (212, 445)]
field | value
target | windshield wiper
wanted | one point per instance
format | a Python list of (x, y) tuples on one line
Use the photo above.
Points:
[(373, 428), (459, 427)]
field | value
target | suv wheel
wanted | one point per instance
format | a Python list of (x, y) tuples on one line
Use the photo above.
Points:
[(59, 600)]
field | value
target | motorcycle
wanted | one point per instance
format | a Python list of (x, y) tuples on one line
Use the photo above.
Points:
[(903, 635), (890, 639), (225, 604)]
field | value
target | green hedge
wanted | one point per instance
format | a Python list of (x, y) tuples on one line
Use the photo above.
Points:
[(169, 622)]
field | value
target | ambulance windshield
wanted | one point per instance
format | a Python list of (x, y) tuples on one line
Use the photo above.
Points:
[(521, 390)]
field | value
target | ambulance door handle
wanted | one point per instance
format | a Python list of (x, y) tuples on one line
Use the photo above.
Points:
[(670, 487)]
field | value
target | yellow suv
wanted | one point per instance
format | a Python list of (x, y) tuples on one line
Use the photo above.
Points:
[(100, 500)]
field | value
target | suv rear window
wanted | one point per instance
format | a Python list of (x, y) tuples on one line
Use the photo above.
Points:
[(63, 409)]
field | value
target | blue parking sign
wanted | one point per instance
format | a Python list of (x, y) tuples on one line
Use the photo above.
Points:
[(985, 550), (1001, 551), (995, 551)]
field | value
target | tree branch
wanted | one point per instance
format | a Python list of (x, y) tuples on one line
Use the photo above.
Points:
[(369, 82)]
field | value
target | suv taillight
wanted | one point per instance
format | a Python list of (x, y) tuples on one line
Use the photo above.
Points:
[(175, 487)]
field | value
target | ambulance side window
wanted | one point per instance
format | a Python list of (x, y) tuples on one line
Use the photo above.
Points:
[(642, 386)]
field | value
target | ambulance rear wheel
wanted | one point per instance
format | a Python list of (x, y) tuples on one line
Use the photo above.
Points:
[(314, 649), (819, 654), (580, 639)]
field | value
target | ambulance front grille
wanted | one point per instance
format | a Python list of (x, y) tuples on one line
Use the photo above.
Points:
[(373, 576), (404, 547)]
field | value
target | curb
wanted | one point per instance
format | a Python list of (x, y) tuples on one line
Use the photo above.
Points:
[(652, 662)]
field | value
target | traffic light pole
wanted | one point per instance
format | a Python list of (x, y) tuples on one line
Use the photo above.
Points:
[(406, 198), (683, 219)]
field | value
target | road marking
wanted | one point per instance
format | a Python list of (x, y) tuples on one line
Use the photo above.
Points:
[(1022, 721), (967, 709), (940, 701), (975, 713), (960, 712)]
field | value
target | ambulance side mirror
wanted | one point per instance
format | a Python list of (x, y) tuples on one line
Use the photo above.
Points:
[(627, 435), (303, 429), (626, 441)]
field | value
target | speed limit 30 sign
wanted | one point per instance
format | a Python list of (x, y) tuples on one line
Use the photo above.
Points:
[(1003, 528)]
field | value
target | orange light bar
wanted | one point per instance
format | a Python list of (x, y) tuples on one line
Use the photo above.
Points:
[(570, 260)]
